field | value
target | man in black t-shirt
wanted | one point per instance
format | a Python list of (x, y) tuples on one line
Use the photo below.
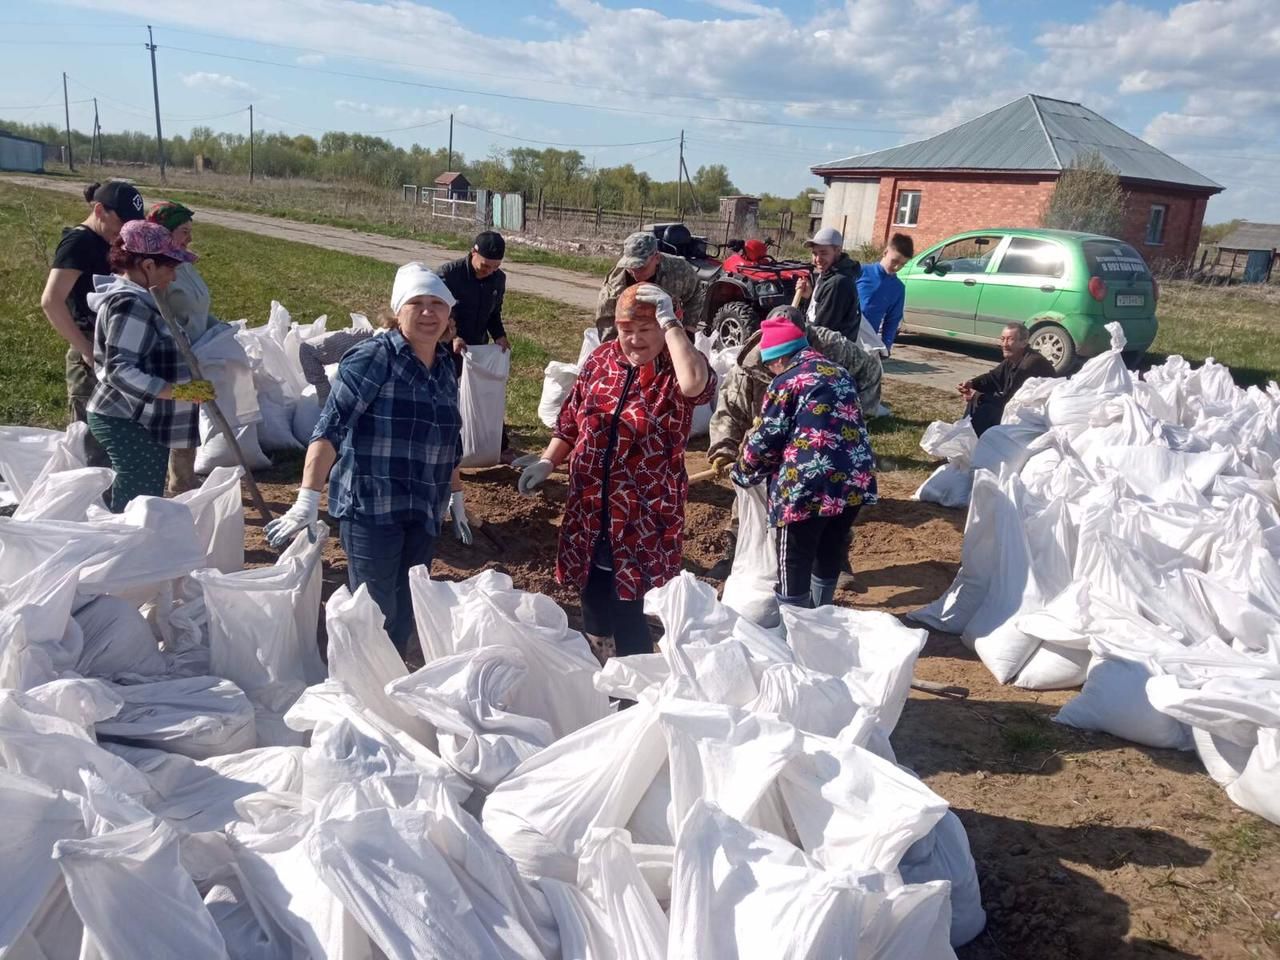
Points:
[(81, 255)]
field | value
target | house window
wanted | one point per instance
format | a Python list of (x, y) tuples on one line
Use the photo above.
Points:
[(908, 208), (1155, 224)]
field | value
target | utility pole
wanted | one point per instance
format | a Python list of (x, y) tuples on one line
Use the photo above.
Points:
[(680, 177), (96, 146), (155, 91), (66, 108), (251, 143), (449, 168)]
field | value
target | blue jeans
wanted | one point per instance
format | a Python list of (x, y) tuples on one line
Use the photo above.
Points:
[(379, 556)]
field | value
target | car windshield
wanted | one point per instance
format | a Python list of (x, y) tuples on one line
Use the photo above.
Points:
[(1114, 259)]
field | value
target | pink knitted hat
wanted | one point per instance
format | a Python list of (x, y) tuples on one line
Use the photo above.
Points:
[(780, 336)]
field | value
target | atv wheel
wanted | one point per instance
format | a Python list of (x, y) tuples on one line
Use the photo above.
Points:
[(734, 323)]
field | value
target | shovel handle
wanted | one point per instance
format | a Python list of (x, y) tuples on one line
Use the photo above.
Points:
[(940, 689)]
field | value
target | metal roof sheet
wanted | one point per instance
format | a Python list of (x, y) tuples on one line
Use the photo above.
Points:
[(1253, 236), (1032, 133)]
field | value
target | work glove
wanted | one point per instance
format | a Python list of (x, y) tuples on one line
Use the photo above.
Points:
[(661, 300), (525, 462), (722, 463), (301, 516), (458, 511), (534, 476), (197, 391)]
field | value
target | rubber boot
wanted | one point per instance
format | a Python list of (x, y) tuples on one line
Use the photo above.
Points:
[(822, 592)]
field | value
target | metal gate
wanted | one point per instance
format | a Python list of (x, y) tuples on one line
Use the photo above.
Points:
[(508, 211)]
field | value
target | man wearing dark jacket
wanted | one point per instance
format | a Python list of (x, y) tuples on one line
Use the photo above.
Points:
[(988, 394), (833, 297)]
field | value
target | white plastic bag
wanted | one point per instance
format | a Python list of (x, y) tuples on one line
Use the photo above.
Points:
[(482, 398), (557, 382), (117, 641), (218, 513), (24, 451), (306, 414), (749, 590), (944, 855), (198, 717)]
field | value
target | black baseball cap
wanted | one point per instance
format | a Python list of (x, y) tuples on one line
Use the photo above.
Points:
[(122, 199), (490, 245)]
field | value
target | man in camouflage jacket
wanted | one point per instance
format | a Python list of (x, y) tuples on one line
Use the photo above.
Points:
[(741, 398), (643, 262)]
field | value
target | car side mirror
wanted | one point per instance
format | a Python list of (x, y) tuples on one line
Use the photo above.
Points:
[(928, 264)]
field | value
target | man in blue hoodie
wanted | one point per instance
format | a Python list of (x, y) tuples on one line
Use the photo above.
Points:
[(881, 294)]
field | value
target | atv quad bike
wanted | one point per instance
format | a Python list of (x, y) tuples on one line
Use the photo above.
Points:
[(744, 292)]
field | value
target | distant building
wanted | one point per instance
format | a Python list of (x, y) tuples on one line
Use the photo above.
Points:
[(1255, 247), (453, 185), (21, 153), (1000, 169)]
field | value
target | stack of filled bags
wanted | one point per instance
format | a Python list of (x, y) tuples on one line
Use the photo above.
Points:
[(1124, 533), (169, 737)]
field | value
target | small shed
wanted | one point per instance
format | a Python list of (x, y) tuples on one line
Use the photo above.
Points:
[(455, 186), (21, 153), (1254, 245)]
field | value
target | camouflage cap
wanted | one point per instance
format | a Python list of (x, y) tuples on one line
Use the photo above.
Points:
[(637, 249)]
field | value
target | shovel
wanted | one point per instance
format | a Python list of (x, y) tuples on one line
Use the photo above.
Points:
[(219, 420), (940, 689)]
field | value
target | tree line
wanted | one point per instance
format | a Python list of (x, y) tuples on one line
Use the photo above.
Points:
[(561, 177)]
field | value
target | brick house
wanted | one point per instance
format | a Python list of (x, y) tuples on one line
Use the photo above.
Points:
[(1000, 170)]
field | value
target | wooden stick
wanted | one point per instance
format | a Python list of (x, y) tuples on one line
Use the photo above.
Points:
[(701, 475), (219, 419), (940, 689)]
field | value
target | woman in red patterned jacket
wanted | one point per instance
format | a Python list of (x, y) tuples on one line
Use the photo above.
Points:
[(624, 430)]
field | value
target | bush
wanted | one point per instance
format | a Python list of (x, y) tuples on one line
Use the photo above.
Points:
[(1088, 198)]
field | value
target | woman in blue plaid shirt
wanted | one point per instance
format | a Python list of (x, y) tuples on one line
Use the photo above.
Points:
[(391, 432), (133, 412)]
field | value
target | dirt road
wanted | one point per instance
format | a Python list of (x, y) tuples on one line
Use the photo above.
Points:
[(926, 365)]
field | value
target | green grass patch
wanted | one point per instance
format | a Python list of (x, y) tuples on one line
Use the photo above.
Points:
[(896, 439), (1238, 326), (245, 273)]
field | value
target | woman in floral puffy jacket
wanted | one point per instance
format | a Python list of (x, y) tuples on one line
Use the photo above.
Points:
[(623, 431), (811, 445)]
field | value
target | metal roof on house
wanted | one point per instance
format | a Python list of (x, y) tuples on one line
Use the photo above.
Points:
[(1253, 236), (1032, 134), (13, 136), (446, 178)]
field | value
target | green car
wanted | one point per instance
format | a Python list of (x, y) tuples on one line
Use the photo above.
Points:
[(1065, 286)]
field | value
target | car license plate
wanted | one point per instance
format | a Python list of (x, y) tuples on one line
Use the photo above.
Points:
[(1130, 300)]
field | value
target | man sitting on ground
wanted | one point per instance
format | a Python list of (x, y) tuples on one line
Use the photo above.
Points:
[(643, 262), (988, 394)]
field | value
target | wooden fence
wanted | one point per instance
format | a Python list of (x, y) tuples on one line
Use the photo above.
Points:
[(601, 222)]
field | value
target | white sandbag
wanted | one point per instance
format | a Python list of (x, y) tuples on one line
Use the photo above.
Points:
[(609, 875), (873, 652), (36, 817), (1257, 789), (948, 486), (465, 697), (719, 361), (1006, 445), (226, 365), (306, 414), (247, 934), (590, 341), (944, 855), (363, 659), (750, 588), (24, 451), (275, 432), (218, 512), (751, 889), (66, 495), (112, 876), (215, 451), (117, 641), (482, 401), (557, 382), (198, 717), (1114, 700)]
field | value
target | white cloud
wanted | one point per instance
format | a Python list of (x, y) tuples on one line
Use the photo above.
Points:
[(310, 59), (540, 23), (741, 6), (218, 83)]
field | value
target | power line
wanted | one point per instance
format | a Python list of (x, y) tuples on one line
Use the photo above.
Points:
[(555, 143)]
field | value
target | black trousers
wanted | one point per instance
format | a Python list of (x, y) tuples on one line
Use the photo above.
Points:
[(812, 548), (604, 615), (985, 412)]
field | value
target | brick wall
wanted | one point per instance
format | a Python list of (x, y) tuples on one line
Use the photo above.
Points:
[(951, 203), (1183, 219)]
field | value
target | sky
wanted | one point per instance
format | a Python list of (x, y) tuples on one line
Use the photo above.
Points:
[(768, 89)]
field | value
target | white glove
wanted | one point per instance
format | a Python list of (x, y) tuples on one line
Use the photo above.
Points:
[(534, 476), (301, 516), (661, 300), (458, 511), (528, 460)]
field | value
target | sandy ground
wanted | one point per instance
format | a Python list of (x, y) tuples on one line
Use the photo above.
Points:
[(914, 361), (1087, 846)]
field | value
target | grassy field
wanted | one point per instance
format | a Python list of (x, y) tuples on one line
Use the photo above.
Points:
[(1238, 326), (353, 206)]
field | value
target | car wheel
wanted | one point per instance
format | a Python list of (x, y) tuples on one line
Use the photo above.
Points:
[(734, 323), (1055, 345)]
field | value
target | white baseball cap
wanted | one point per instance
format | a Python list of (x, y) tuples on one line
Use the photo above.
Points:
[(826, 237), (415, 280)]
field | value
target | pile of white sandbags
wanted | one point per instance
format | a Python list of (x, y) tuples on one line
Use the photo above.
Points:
[(1124, 533), (170, 737)]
